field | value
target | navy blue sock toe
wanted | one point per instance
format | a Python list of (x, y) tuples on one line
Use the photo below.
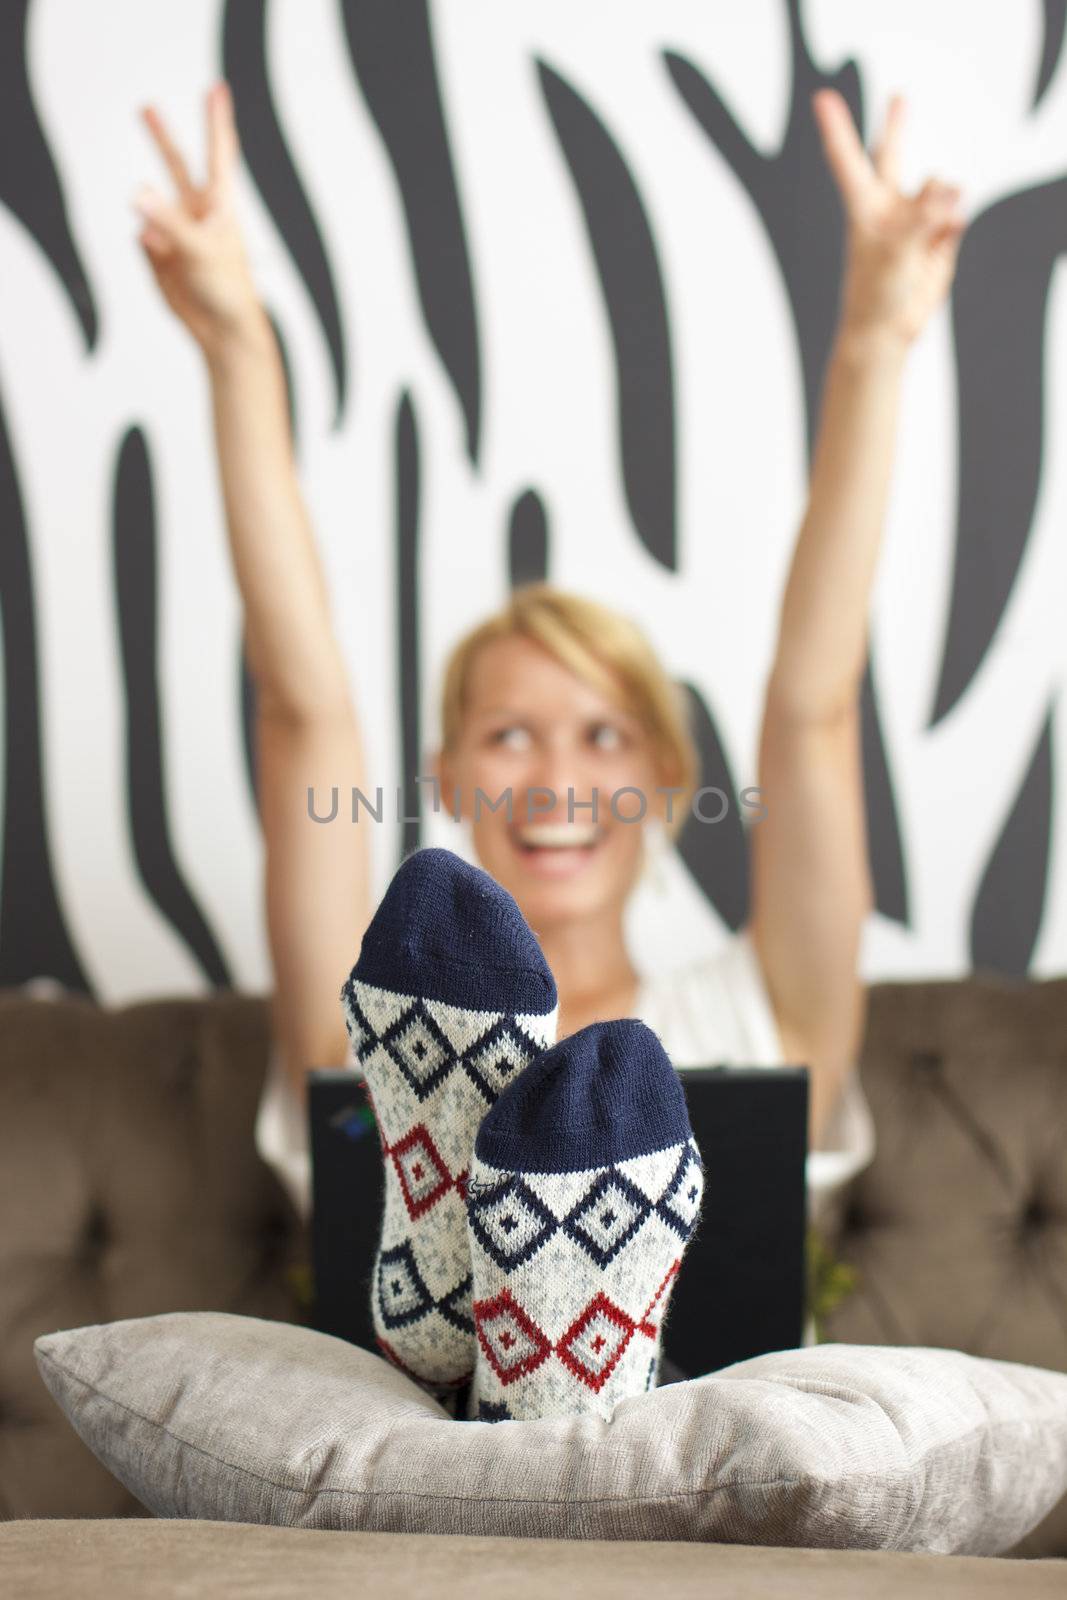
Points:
[(447, 931), (605, 1094)]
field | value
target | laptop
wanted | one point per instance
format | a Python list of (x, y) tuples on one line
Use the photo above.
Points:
[(741, 1288)]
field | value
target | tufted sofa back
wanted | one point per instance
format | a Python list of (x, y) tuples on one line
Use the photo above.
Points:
[(129, 1184), (958, 1230)]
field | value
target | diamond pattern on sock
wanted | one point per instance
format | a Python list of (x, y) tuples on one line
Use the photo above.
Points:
[(498, 1059), (418, 1047), (454, 1305), (402, 1295), (424, 1178), (462, 1028), (593, 1345), (510, 1222), (373, 1011), (608, 1216), (680, 1204), (403, 1298), (514, 1345)]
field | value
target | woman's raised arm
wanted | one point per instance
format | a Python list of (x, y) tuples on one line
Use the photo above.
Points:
[(307, 732), (811, 879)]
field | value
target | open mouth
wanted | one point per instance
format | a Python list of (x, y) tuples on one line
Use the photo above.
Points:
[(556, 848)]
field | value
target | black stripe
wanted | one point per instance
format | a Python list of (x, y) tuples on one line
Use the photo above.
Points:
[(1051, 47), (407, 614), (999, 309), (1011, 896), (29, 183), (244, 52), (808, 242), (135, 597), (527, 540), (391, 47), (632, 285), (716, 853), (34, 938), (807, 238)]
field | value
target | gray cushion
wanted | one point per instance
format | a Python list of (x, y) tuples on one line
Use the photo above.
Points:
[(231, 1418)]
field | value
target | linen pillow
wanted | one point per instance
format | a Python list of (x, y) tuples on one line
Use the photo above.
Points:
[(212, 1416)]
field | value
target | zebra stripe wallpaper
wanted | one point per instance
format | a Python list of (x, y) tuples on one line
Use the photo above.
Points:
[(555, 284)]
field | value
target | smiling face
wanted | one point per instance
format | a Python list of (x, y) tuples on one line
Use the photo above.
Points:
[(530, 724)]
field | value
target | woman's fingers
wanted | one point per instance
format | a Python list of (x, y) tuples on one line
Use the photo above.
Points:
[(886, 153), (173, 157), (935, 191), (222, 144), (935, 207), (155, 241), (947, 238), (166, 217), (847, 159)]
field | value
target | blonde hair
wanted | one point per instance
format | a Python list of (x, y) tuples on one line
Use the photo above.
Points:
[(603, 648)]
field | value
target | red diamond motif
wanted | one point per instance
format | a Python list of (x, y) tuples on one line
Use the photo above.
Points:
[(592, 1347), (423, 1176), (513, 1345), (646, 1326)]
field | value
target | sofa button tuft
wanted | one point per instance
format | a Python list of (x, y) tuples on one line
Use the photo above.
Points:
[(96, 1234)]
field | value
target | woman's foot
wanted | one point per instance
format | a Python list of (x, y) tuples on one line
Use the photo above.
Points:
[(584, 1192), (449, 1000)]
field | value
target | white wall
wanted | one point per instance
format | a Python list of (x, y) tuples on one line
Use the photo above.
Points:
[(548, 421)]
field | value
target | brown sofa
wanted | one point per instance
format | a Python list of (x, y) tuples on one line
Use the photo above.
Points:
[(129, 1185)]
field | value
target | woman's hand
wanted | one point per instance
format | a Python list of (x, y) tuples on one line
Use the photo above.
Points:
[(901, 251), (193, 242)]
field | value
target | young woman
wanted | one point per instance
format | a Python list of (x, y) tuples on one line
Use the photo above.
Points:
[(558, 693)]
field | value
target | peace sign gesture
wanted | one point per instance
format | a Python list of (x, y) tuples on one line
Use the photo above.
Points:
[(902, 249), (192, 241)]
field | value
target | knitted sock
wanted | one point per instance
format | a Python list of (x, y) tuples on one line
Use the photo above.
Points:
[(584, 1190), (449, 1000)]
